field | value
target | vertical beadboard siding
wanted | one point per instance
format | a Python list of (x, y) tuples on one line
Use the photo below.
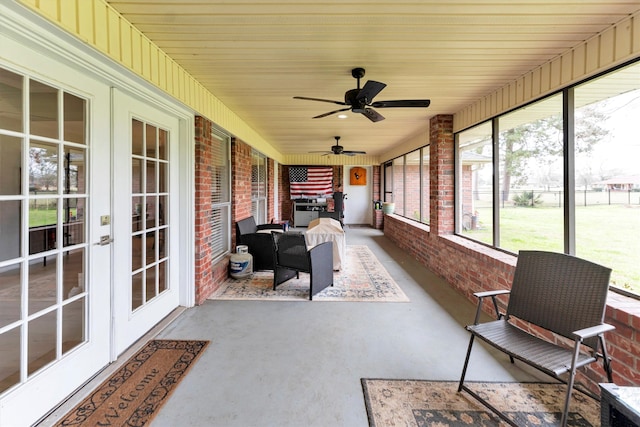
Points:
[(319, 159), (99, 25), (613, 46)]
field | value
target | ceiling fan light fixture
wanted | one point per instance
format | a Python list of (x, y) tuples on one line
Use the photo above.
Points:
[(360, 100), (342, 116)]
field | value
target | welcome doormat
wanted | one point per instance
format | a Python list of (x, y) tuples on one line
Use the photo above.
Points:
[(363, 278), (438, 403), (133, 395)]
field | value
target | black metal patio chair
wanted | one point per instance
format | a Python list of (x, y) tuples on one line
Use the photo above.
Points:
[(558, 293)]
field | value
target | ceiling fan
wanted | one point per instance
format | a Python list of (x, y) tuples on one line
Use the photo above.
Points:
[(359, 100), (339, 149)]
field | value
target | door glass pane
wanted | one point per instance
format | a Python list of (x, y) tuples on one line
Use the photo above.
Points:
[(162, 177), (73, 223), (136, 291), (151, 283), (10, 360), (151, 132), (42, 284), (162, 144), (11, 111), (73, 333), (162, 276), (151, 212), (137, 137), (10, 165), (43, 113), (74, 118), (42, 341), (73, 277), (151, 176), (73, 176), (137, 180), (136, 251), (10, 221), (43, 221), (43, 168), (11, 292)]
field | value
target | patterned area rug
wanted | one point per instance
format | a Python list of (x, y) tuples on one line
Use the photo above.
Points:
[(438, 403), (135, 393), (362, 278)]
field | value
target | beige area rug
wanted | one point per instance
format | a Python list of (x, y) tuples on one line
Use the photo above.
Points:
[(363, 278), (438, 404), (133, 395)]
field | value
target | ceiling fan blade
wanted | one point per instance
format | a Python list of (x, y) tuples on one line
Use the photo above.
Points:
[(402, 103), (372, 115), (353, 153), (330, 113), (370, 90), (320, 99)]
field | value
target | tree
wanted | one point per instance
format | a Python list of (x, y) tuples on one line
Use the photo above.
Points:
[(43, 168), (540, 142)]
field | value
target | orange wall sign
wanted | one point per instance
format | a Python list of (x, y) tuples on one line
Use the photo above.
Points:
[(358, 176)]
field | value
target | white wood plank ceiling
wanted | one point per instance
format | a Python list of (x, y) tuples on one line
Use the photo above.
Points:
[(256, 55)]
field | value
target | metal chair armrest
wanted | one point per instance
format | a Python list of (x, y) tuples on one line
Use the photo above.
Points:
[(493, 294), (593, 331)]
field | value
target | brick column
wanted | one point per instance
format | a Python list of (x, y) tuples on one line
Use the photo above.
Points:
[(377, 195), (442, 194)]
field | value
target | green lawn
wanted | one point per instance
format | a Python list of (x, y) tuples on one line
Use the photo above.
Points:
[(607, 235), (40, 217)]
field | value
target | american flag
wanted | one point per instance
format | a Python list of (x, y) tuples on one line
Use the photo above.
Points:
[(310, 181)]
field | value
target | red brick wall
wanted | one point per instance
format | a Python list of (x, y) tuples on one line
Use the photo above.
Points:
[(208, 276), (471, 267)]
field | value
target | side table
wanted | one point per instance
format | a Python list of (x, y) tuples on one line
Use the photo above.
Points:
[(619, 406)]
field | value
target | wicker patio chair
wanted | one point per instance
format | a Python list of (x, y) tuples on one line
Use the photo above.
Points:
[(559, 293), (258, 239), (292, 256)]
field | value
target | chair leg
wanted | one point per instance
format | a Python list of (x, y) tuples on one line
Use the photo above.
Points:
[(571, 380), (466, 363), (606, 361)]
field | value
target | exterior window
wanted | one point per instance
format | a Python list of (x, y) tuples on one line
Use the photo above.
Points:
[(531, 178), (425, 190), (567, 180), (406, 183), (259, 187), (398, 185), (607, 179), (412, 185), (220, 221), (474, 214)]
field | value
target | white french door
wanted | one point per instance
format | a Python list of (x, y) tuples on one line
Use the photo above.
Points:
[(55, 189), (146, 149)]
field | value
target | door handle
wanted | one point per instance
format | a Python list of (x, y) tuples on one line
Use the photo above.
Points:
[(104, 240)]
